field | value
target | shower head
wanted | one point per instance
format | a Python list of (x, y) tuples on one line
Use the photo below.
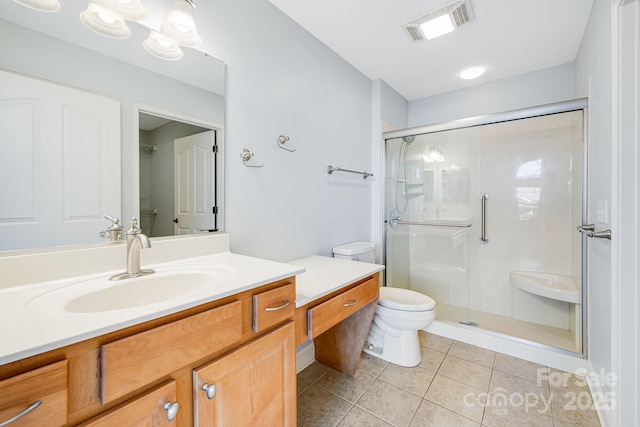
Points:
[(408, 139)]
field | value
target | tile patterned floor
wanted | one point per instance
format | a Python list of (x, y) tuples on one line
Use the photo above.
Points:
[(456, 384)]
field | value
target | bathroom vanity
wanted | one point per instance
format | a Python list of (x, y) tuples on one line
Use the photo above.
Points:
[(189, 359), (207, 339), (335, 303)]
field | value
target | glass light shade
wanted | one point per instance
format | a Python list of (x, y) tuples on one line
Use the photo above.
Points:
[(41, 5), (163, 47), (131, 10), (180, 25), (104, 22)]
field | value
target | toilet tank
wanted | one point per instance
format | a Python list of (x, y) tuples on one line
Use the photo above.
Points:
[(356, 251)]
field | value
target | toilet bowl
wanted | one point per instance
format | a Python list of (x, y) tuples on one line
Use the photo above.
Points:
[(393, 335), (400, 313)]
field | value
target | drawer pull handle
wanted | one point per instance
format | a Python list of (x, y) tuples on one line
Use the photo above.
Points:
[(286, 304), (33, 406), (350, 303), (210, 390), (172, 410)]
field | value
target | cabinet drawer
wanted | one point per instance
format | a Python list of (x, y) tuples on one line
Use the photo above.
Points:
[(146, 410), (274, 306), (47, 385), (331, 312), (132, 362)]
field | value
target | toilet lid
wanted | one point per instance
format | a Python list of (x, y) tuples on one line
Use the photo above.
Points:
[(405, 299)]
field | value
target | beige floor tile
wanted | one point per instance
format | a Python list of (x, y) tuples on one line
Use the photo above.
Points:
[(516, 395), (431, 359), (470, 373), (371, 365), (429, 414), (456, 396), (390, 403), (318, 407), (513, 384), (311, 373), (302, 384), (509, 417), (434, 342), (472, 353), (558, 422), (567, 382), (415, 380), (577, 408), (358, 417), (521, 368), (344, 386)]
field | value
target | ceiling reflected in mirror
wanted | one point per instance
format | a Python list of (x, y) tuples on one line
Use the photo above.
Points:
[(171, 57)]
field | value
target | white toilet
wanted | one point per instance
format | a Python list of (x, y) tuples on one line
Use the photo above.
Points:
[(399, 315)]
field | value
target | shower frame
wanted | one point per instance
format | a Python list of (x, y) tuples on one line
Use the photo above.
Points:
[(580, 104)]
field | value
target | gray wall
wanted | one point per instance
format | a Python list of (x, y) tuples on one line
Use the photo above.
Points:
[(540, 87), (281, 80)]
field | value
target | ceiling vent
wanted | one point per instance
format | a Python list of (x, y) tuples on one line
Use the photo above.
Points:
[(439, 22)]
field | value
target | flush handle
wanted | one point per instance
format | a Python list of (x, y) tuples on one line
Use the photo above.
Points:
[(350, 303)]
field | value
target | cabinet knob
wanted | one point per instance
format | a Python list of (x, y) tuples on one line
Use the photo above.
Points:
[(172, 410), (210, 390)]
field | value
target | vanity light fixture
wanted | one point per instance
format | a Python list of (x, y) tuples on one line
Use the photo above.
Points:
[(131, 10), (472, 73), (439, 22), (40, 5), (163, 47), (434, 155), (180, 25), (105, 22)]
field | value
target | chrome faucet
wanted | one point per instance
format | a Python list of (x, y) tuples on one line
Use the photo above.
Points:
[(135, 241)]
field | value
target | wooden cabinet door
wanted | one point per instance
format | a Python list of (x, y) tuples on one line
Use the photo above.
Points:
[(147, 410), (255, 385)]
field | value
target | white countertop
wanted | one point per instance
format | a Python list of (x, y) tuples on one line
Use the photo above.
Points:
[(324, 275), (31, 322)]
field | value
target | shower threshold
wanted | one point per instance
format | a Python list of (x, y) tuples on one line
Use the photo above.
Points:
[(546, 335)]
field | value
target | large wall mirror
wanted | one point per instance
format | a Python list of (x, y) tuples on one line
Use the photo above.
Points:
[(157, 99)]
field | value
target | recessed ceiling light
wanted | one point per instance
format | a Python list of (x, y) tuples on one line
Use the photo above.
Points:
[(472, 73)]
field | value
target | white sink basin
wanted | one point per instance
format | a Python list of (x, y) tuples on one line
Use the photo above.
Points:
[(101, 294)]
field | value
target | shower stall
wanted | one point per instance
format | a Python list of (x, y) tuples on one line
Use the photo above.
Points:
[(481, 215)]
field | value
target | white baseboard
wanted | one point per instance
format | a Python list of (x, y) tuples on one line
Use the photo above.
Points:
[(305, 355)]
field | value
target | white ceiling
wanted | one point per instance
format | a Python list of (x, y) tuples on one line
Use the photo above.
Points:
[(507, 37)]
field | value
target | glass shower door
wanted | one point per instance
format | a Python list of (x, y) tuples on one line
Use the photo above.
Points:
[(428, 210)]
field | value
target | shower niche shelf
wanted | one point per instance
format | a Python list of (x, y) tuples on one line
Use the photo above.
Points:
[(558, 287)]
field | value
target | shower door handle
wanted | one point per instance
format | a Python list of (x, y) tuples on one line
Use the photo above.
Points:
[(483, 219)]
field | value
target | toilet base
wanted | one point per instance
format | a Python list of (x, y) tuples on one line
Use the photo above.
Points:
[(403, 349)]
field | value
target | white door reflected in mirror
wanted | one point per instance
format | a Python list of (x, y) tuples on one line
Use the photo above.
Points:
[(194, 174)]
